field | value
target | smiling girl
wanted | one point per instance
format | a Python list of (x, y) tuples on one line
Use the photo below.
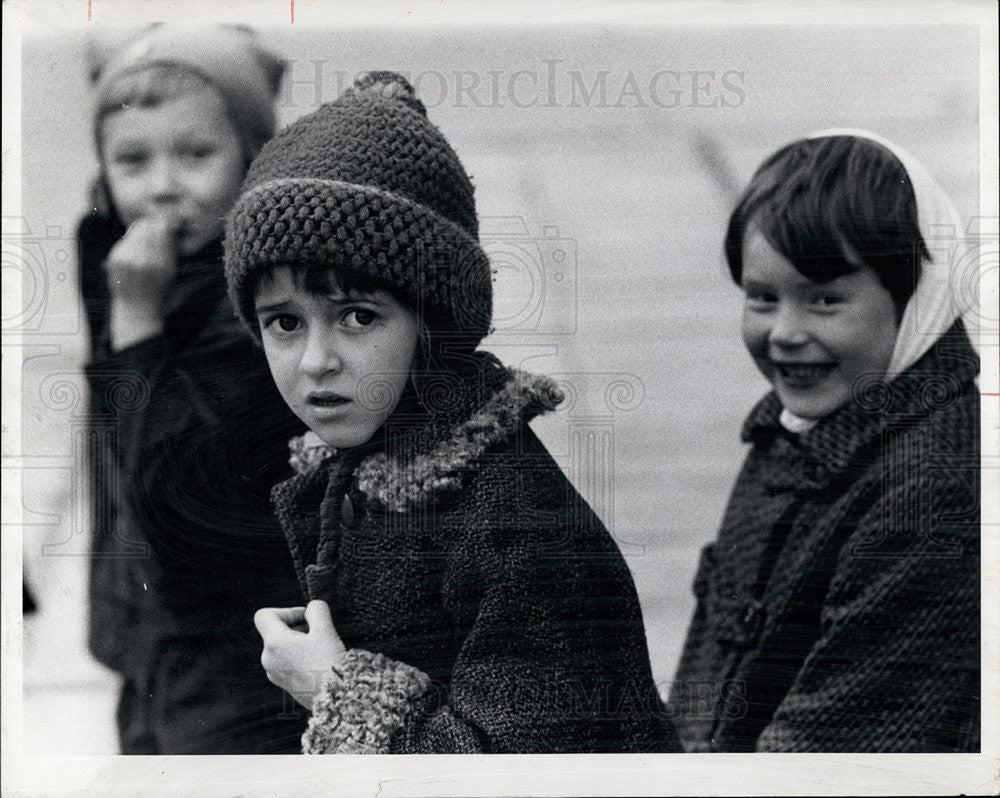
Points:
[(838, 610)]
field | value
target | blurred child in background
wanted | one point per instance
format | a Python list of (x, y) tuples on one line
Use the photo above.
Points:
[(838, 610), (187, 431)]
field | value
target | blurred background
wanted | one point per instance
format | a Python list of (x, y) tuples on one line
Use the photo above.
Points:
[(606, 161)]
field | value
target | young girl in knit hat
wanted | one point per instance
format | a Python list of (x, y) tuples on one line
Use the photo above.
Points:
[(187, 432), (462, 597), (838, 610)]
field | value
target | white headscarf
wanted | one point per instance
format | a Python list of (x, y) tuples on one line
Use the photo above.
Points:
[(938, 300)]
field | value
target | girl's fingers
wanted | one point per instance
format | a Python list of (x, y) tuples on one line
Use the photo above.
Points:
[(266, 620), (155, 236), (166, 228), (317, 615), (291, 615), (274, 620)]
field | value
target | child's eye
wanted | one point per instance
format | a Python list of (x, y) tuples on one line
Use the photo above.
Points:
[(129, 159), (197, 151), (359, 317), (826, 300), (282, 322), (759, 298)]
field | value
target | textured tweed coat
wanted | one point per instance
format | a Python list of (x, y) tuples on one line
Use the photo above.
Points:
[(186, 435), (838, 610), (484, 605)]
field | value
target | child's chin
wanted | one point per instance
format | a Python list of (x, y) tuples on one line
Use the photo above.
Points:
[(342, 440), (812, 408)]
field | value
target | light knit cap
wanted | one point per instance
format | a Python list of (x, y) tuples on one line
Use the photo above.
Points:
[(229, 57), (366, 185), (942, 293)]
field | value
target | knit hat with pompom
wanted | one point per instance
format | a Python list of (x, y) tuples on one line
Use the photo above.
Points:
[(366, 184)]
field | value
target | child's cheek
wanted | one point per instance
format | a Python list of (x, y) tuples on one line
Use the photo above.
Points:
[(755, 338), (283, 370), (754, 334)]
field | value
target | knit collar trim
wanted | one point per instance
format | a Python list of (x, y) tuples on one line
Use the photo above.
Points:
[(411, 478), (946, 371)]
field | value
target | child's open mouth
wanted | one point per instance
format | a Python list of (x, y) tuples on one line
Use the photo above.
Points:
[(327, 400), (802, 375)]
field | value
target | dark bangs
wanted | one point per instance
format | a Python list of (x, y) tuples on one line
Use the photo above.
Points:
[(830, 206), (321, 281)]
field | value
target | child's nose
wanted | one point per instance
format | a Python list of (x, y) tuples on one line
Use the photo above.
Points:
[(320, 355), (789, 328), (163, 183)]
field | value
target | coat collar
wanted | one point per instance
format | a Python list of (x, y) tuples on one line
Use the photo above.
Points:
[(944, 373), (481, 412)]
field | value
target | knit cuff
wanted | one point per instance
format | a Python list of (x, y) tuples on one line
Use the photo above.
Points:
[(364, 701)]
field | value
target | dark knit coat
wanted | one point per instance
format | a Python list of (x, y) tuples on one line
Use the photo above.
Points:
[(838, 610), (186, 436), (484, 605)]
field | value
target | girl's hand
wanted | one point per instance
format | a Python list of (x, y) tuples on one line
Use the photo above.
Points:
[(141, 268), (141, 265), (300, 648)]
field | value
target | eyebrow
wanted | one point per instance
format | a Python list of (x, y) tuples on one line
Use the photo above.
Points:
[(756, 284), (126, 144), (269, 308), (356, 297), (343, 299)]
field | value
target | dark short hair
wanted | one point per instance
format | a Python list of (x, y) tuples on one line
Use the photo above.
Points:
[(830, 206), (319, 279)]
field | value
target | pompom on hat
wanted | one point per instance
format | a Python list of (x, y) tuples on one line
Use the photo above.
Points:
[(366, 184)]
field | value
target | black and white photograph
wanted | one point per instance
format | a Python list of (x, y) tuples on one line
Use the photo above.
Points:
[(597, 391)]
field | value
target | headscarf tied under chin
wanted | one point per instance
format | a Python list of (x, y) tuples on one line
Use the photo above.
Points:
[(943, 292)]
